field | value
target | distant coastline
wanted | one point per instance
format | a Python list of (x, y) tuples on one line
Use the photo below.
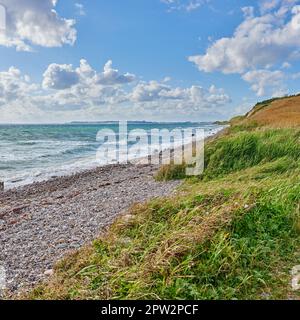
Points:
[(142, 122)]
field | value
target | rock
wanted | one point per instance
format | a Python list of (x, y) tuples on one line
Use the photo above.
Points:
[(49, 272)]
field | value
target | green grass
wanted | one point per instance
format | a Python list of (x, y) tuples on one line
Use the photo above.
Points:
[(171, 172), (233, 233), (241, 149), (245, 149)]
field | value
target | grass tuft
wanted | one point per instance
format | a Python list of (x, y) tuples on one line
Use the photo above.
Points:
[(171, 172)]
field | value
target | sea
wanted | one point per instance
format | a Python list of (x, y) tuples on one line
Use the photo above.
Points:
[(35, 152)]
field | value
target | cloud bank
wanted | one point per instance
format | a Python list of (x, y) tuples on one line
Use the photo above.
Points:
[(71, 93)]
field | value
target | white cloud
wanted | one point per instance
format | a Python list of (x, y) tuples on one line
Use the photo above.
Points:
[(32, 22), (193, 5), (194, 97), (265, 82), (65, 76), (14, 86), (150, 91), (267, 5), (60, 77), (187, 5), (112, 76), (69, 93), (248, 12), (167, 79), (281, 5), (80, 9), (257, 42), (85, 87)]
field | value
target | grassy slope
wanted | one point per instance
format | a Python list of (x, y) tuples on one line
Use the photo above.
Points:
[(276, 112), (233, 233)]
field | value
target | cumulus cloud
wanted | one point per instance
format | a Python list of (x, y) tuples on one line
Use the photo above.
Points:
[(259, 41), (112, 76), (14, 86), (32, 22), (68, 93), (65, 76), (194, 97), (150, 91), (94, 88), (60, 77), (265, 82)]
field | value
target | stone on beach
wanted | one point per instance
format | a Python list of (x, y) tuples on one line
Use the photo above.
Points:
[(41, 222), (49, 272)]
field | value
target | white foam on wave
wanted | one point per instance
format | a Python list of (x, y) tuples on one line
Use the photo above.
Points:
[(79, 164)]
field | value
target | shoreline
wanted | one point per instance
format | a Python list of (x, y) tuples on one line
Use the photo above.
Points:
[(76, 170), (43, 221)]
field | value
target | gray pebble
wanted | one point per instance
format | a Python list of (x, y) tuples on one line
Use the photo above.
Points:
[(41, 222)]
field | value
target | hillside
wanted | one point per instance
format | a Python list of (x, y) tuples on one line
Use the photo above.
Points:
[(277, 113), (232, 233)]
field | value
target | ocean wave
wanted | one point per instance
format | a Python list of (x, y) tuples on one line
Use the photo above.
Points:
[(26, 161)]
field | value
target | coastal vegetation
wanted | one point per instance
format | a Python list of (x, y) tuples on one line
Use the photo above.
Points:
[(231, 233)]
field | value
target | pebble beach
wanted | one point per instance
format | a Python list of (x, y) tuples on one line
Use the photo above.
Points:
[(43, 221)]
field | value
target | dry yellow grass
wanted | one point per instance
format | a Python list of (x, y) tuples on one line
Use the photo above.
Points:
[(281, 113)]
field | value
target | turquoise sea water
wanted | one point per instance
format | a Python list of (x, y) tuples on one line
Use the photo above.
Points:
[(37, 152)]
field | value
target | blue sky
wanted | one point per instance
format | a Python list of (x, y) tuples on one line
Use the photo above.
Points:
[(153, 42)]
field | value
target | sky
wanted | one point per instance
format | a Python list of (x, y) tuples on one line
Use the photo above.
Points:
[(155, 60)]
